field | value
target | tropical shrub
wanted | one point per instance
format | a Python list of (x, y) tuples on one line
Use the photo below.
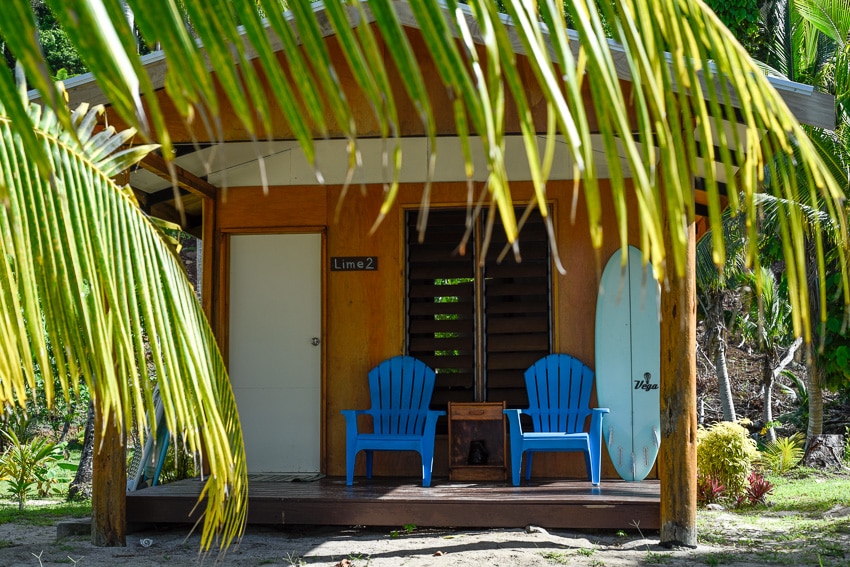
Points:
[(726, 452), (27, 464), (758, 489), (709, 490), (782, 455)]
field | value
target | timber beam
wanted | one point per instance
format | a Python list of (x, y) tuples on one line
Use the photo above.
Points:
[(184, 179)]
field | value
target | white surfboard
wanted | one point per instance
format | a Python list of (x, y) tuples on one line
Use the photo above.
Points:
[(628, 361)]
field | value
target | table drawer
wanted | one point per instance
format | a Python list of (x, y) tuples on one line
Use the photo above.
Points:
[(476, 411)]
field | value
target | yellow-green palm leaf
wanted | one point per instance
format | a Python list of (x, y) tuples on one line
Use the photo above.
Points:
[(91, 289), (691, 80)]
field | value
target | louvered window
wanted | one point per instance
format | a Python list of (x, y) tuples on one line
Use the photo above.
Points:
[(478, 326)]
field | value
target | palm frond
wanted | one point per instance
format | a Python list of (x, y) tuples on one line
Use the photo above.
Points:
[(831, 18), (87, 279)]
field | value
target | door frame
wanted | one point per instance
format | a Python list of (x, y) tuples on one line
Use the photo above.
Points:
[(222, 311)]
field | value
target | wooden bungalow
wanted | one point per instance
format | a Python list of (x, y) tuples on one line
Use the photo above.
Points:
[(305, 299)]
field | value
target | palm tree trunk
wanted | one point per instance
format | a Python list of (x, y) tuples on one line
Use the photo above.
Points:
[(814, 379), (767, 384), (80, 487), (716, 347), (724, 385), (814, 369)]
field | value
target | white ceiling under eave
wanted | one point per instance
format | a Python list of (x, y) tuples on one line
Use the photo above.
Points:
[(235, 164)]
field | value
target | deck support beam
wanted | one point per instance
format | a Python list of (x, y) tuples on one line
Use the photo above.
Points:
[(109, 482), (677, 465)]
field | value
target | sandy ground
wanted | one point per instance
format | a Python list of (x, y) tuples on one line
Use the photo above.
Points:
[(362, 547)]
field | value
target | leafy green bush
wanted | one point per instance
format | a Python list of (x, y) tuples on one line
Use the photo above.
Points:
[(782, 455), (725, 452), (27, 464)]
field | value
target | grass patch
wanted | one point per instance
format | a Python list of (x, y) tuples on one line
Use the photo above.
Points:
[(43, 515), (809, 491), (558, 557), (791, 529), (716, 559)]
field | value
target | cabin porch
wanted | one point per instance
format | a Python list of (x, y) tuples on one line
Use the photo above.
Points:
[(564, 504)]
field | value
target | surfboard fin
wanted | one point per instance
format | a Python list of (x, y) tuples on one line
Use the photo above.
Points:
[(634, 466), (610, 436), (656, 437)]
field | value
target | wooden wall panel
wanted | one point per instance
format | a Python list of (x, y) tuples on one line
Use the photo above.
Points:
[(364, 312), (248, 208)]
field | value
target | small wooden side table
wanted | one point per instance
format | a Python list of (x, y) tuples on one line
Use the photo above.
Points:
[(477, 441)]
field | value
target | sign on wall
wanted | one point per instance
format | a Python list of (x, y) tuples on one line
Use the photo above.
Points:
[(354, 263)]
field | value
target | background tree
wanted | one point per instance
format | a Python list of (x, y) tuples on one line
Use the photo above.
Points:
[(767, 324), (60, 55), (717, 301), (807, 42)]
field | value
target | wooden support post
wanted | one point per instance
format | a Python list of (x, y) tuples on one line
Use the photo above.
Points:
[(677, 466), (109, 483)]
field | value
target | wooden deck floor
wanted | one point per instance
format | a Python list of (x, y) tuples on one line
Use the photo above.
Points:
[(396, 502)]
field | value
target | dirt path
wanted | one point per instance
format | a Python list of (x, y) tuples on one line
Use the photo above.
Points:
[(734, 542)]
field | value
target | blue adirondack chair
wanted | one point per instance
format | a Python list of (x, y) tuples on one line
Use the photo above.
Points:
[(559, 398), (400, 389)]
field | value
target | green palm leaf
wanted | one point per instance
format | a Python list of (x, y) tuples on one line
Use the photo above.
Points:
[(86, 272)]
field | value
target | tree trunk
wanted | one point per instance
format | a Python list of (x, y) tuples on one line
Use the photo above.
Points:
[(109, 483), (815, 395), (825, 452), (814, 374), (80, 487), (767, 412), (724, 385), (716, 346), (677, 465)]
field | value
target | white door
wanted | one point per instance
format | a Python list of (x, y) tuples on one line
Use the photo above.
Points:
[(274, 355)]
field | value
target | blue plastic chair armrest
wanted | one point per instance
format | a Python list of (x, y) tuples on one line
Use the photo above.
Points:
[(351, 417), (514, 423), (596, 419)]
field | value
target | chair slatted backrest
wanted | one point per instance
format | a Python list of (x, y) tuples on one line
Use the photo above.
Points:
[(401, 389), (559, 388)]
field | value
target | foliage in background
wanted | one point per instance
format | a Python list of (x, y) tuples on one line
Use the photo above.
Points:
[(45, 514), (835, 355), (179, 463), (742, 19), (25, 465), (726, 453), (60, 55), (782, 455)]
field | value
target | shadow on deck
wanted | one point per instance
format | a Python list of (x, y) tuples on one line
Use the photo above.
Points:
[(563, 504)]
